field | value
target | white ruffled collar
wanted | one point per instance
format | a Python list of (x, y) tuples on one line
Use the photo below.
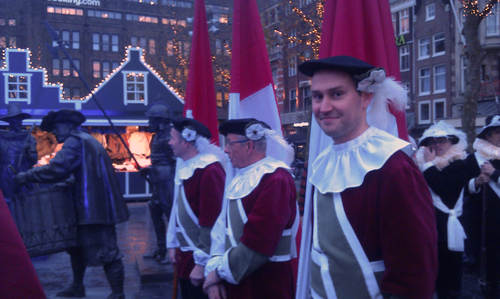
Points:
[(487, 150), (246, 179), (456, 152), (186, 169), (345, 165)]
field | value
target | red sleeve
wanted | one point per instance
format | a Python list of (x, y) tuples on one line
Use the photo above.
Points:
[(407, 230), (211, 193), (273, 210), (19, 279)]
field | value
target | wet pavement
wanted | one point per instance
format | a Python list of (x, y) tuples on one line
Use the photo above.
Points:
[(135, 238)]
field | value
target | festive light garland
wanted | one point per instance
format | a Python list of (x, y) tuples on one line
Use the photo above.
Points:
[(471, 7)]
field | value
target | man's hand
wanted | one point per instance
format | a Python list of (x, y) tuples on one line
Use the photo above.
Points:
[(197, 276), (487, 168), (481, 179), (172, 256), (212, 279), (217, 291), (429, 154)]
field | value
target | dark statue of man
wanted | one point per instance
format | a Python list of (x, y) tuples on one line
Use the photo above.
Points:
[(98, 200), (17, 149), (161, 174)]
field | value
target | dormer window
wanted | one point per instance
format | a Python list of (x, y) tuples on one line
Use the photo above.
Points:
[(135, 87), (17, 87)]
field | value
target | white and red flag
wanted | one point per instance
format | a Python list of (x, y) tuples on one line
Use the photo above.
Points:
[(200, 102), (369, 38), (252, 92)]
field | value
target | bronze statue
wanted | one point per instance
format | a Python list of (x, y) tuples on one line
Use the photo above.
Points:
[(17, 148), (97, 196), (161, 174)]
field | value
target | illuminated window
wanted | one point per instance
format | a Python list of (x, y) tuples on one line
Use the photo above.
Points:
[(76, 62), (56, 65), (3, 42), (17, 87), (152, 47), (105, 69), (170, 48), (135, 87), (96, 69), (2, 22), (66, 69), (404, 21), (12, 22), (219, 99)]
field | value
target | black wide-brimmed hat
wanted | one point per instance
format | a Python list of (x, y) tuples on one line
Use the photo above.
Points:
[(63, 115), (348, 64), (239, 126), (13, 110), (491, 122), (192, 124), (158, 110)]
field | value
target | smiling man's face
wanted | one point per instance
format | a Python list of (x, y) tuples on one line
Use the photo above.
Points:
[(338, 107)]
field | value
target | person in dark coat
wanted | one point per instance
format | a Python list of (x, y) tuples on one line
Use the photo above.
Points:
[(98, 200), (441, 157), (484, 188), (17, 148), (161, 175)]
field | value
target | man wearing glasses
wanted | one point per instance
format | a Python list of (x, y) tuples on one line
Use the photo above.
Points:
[(260, 217)]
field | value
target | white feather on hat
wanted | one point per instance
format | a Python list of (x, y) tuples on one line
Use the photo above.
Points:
[(385, 91)]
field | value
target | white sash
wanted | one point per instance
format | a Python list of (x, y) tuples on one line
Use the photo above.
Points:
[(455, 230)]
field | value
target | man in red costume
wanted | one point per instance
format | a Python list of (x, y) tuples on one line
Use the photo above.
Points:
[(199, 186), (19, 278), (374, 230), (260, 218)]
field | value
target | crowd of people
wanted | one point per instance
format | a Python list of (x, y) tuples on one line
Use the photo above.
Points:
[(387, 221)]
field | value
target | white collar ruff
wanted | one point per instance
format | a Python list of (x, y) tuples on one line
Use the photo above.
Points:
[(248, 178), (186, 169), (345, 165)]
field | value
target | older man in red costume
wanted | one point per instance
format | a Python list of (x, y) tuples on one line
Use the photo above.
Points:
[(199, 186), (260, 218), (374, 232)]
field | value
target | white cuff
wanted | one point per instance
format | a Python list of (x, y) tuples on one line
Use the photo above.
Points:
[(224, 271), (427, 165), (172, 241), (212, 264), (200, 257), (472, 186)]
